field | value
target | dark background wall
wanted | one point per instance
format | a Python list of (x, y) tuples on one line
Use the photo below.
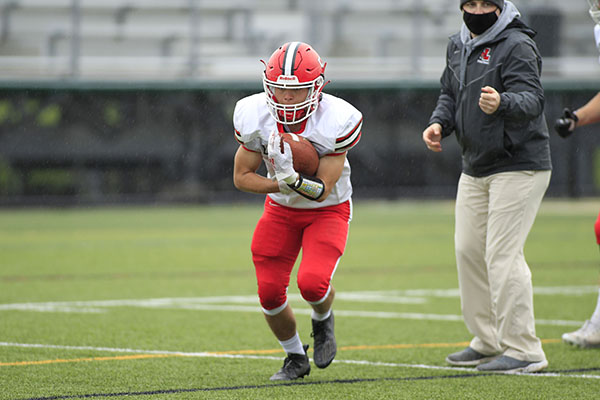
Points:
[(85, 143)]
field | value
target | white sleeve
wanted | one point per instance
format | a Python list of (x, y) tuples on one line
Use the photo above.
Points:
[(243, 126), (350, 133)]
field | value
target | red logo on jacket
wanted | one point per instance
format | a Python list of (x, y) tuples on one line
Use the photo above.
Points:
[(485, 56)]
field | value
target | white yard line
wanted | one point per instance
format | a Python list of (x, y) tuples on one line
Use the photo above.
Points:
[(257, 357), (411, 296), (250, 304), (83, 307)]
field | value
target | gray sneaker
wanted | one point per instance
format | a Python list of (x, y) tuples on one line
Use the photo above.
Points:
[(512, 365), (325, 345), (468, 358), (294, 366)]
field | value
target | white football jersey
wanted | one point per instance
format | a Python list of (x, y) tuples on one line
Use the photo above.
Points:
[(334, 128)]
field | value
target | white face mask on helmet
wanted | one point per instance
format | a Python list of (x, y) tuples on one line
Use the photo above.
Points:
[(595, 14), (595, 10)]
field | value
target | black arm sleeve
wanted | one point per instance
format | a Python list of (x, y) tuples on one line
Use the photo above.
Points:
[(309, 186)]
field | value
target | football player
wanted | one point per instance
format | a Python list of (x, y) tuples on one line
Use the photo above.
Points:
[(311, 213), (589, 334)]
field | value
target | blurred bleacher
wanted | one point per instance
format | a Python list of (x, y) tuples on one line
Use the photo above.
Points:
[(222, 40), (91, 109)]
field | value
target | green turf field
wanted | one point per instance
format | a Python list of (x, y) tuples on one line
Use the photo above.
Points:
[(160, 303)]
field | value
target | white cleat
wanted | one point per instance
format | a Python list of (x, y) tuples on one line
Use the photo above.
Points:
[(587, 336)]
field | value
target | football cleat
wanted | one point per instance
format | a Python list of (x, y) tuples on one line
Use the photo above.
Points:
[(325, 345), (294, 366), (587, 336)]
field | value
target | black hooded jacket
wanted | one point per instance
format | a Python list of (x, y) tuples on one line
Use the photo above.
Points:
[(515, 137)]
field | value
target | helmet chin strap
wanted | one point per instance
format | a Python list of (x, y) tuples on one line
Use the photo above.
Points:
[(292, 115)]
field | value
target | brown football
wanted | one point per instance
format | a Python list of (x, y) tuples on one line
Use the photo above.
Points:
[(306, 158)]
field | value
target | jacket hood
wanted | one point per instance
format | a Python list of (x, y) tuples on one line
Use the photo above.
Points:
[(514, 24), (508, 18), (518, 24)]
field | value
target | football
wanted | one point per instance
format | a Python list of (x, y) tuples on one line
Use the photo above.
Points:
[(306, 158)]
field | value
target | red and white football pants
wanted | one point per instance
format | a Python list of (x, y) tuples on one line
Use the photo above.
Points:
[(280, 234)]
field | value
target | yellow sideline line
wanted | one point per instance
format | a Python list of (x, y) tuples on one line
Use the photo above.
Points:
[(363, 347), (271, 351)]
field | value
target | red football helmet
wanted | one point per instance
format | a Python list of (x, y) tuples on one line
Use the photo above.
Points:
[(294, 65)]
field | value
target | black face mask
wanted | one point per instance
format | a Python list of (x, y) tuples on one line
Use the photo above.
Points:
[(479, 23)]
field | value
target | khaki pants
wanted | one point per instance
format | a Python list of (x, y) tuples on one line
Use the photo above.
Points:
[(494, 215)]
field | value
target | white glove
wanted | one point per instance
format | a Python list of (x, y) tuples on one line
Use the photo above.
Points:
[(284, 188), (282, 163)]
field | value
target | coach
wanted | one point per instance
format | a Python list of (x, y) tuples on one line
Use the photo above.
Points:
[(492, 98)]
